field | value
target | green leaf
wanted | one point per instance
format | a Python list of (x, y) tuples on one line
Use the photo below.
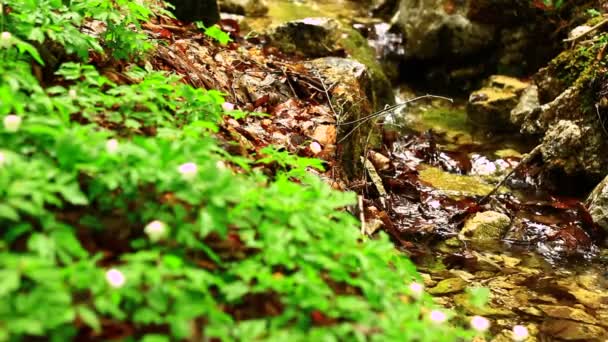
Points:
[(8, 213), (478, 296), (73, 194), (155, 338), (89, 317), (216, 33), (10, 281)]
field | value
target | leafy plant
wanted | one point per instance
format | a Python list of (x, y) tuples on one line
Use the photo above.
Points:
[(215, 32), (119, 207)]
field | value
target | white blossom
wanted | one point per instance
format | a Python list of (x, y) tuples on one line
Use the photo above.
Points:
[(227, 106), (480, 323), (2, 158), (315, 147), (6, 36), (416, 289), (188, 170), (115, 278), (520, 333), (72, 94), (12, 123), (112, 146), (438, 316), (156, 230)]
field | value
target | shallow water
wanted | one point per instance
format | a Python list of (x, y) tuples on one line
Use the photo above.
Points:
[(441, 167)]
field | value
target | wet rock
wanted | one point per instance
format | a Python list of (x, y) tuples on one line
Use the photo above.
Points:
[(597, 204), (568, 90), (528, 105), (251, 8), (572, 331), (562, 146), (491, 106), (453, 185), (432, 30), (310, 37), (323, 37), (566, 312), (488, 226), (590, 299), (464, 301), (446, 286), (352, 96), (196, 10)]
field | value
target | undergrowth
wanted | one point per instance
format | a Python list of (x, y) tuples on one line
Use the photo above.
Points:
[(122, 217)]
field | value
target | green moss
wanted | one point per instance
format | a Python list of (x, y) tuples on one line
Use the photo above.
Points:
[(455, 185), (446, 119)]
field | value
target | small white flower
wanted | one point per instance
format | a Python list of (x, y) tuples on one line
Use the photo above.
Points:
[(6, 36), (188, 170), (416, 289), (156, 230), (520, 333), (438, 316), (315, 147), (12, 123), (2, 159), (72, 94), (112, 146), (115, 278), (227, 106), (480, 323), (220, 165)]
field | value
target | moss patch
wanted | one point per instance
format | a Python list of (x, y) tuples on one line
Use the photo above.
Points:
[(455, 185)]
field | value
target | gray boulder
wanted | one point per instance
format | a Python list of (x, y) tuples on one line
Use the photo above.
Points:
[(353, 99), (309, 37), (251, 8), (597, 204), (432, 30), (190, 11)]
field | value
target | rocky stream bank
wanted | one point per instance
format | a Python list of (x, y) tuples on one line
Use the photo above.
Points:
[(530, 97)]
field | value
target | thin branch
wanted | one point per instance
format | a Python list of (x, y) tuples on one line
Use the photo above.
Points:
[(524, 161), (326, 91), (597, 26), (393, 107), (599, 117), (364, 119)]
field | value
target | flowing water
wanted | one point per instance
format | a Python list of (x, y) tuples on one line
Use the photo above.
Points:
[(548, 272)]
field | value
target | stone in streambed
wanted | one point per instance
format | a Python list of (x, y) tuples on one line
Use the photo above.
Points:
[(491, 106), (446, 286), (485, 227)]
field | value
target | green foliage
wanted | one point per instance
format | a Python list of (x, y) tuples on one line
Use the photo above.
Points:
[(216, 33), (554, 3), (93, 169), (592, 12)]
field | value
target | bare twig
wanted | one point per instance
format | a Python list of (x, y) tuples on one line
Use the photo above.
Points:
[(599, 117), (361, 213), (535, 151), (364, 119), (393, 107), (326, 91)]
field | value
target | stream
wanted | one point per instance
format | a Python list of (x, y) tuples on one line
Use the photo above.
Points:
[(547, 271)]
